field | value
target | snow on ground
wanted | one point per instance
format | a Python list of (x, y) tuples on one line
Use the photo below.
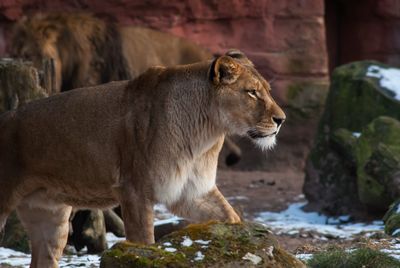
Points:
[(294, 219), (389, 78)]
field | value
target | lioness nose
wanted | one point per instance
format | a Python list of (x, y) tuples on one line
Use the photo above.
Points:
[(278, 120)]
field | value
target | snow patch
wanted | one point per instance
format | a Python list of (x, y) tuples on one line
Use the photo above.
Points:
[(356, 134), (294, 219), (396, 232), (173, 220), (170, 249), (15, 258), (388, 78), (168, 244)]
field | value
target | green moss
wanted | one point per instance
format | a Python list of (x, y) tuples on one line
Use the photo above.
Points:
[(14, 235), (366, 257), (228, 243), (379, 138), (344, 143)]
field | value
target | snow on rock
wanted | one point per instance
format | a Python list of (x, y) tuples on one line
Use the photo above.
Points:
[(187, 242), (170, 249), (269, 251), (252, 257), (199, 256), (294, 219), (202, 242), (389, 78), (304, 256)]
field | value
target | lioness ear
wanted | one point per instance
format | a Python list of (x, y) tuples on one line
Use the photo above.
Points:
[(239, 56), (224, 70)]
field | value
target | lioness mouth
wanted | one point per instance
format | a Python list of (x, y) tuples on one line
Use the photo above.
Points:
[(257, 135)]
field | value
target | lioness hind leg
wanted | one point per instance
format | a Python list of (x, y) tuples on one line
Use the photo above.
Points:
[(47, 229), (211, 206)]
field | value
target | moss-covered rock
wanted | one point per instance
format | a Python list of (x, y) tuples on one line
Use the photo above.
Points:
[(392, 220), (378, 163), (364, 257), (14, 235), (354, 100), (205, 245)]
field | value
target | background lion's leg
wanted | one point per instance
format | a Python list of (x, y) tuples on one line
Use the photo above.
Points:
[(47, 229), (212, 206)]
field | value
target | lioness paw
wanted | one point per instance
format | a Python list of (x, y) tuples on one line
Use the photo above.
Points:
[(233, 218)]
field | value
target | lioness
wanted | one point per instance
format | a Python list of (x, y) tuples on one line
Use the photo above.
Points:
[(152, 139)]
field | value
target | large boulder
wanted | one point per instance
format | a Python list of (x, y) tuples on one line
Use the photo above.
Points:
[(360, 92), (205, 245)]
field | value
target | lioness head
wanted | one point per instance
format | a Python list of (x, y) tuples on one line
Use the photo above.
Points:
[(246, 106)]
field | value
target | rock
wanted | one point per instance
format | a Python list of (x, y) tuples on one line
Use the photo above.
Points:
[(14, 236), (358, 94), (205, 245), (19, 84), (392, 220), (378, 163)]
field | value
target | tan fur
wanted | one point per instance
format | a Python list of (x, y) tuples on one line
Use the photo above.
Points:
[(152, 139)]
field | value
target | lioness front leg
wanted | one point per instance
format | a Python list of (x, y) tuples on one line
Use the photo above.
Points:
[(211, 206), (137, 213)]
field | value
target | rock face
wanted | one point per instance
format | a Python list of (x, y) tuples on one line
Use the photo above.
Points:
[(359, 93), (205, 245), (285, 39)]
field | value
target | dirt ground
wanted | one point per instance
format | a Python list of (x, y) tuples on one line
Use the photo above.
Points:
[(251, 192)]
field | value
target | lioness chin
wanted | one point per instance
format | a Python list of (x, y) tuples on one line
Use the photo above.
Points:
[(133, 143)]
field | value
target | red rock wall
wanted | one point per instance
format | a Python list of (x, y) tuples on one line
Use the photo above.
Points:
[(363, 29), (285, 39)]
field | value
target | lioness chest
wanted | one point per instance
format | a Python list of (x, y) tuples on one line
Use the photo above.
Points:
[(188, 179)]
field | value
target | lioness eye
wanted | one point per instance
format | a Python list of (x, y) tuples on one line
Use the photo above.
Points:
[(252, 93)]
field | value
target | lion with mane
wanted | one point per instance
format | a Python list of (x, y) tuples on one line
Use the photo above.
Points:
[(90, 51)]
